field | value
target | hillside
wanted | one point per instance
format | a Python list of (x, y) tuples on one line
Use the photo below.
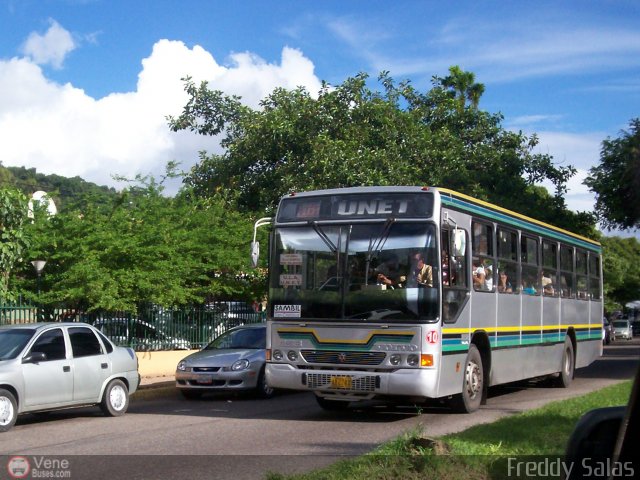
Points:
[(64, 191)]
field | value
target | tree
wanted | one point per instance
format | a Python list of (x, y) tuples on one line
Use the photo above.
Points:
[(350, 135), (621, 266), (13, 241), (616, 180), (143, 248)]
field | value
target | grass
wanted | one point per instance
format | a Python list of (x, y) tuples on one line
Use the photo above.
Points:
[(475, 451)]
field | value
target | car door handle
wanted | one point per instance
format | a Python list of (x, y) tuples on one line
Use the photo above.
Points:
[(66, 369), (104, 365)]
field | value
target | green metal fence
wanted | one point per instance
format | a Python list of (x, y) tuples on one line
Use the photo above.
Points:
[(153, 328)]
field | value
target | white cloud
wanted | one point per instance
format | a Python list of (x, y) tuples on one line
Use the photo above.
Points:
[(60, 129), (579, 150), (50, 48)]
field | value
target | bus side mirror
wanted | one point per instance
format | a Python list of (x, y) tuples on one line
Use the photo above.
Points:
[(459, 241), (255, 254)]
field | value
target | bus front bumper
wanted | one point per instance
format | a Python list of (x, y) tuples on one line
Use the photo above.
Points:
[(353, 385)]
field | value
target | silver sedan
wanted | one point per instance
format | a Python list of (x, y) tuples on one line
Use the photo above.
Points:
[(45, 366), (234, 361)]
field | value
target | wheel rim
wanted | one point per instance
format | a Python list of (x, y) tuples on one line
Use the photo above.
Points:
[(266, 389), (567, 362), (474, 380), (117, 397), (6, 411)]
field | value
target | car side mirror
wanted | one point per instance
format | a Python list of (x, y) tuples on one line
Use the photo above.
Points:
[(593, 439), (34, 357)]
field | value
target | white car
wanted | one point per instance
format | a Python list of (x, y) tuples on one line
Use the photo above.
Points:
[(46, 366), (622, 329)]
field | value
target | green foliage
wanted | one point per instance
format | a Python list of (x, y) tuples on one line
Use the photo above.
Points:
[(351, 135), (621, 265), (13, 242), (616, 180), (143, 247)]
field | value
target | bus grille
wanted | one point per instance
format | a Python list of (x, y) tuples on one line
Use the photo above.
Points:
[(343, 358), (320, 381)]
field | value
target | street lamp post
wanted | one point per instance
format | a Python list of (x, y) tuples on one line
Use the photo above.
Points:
[(39, 266)]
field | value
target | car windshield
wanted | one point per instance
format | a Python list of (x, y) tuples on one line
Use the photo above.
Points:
[(247, 338), (13, 341), (621, 324)]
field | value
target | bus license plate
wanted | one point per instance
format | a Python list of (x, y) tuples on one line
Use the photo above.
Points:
[(342, 382)]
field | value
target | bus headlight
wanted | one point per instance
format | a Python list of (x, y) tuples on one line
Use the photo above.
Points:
[(413, 360), (277, 355), (292, 355), (395, 359)]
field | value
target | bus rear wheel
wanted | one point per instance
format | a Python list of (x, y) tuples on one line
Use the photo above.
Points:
[(566, 374), (472, 383)]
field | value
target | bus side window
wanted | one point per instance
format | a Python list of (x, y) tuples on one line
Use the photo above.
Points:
[(483, 269)]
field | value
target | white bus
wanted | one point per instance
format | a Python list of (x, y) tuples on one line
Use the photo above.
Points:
[(418, 293)]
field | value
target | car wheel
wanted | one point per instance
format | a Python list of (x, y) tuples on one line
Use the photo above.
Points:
[(566, 374), (191, 394), (264, 390), (115, 400), (472, 384), (332, 405), (8, 410)]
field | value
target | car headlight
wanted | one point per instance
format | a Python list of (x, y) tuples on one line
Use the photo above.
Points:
[(182, 366), (240, 365)]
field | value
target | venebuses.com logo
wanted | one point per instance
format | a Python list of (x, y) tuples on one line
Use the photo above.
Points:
[(18, 467)]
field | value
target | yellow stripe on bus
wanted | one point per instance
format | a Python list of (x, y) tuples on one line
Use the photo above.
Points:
[(523, 328)]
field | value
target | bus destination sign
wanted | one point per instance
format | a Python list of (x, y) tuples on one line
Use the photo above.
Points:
[(356, 206)]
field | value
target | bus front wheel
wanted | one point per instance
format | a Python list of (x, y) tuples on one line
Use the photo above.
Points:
[(472, 383)]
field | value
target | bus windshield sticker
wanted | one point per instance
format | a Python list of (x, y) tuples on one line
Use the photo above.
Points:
[(287, 311), (290, 259), (291, 280)]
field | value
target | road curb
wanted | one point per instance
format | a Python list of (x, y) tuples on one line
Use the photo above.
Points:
[(154, 390)]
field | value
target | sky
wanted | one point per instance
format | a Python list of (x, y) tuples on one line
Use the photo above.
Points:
[(86, 85)]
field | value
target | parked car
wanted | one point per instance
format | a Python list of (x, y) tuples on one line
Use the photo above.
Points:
[(622, 329), (237, 312), (46, 366), (607, 332), (139, 335), (233, 361)]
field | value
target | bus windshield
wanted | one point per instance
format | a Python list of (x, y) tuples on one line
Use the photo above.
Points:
[(385, 271)]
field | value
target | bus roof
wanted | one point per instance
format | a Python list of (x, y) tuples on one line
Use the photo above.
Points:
[(469, 204)]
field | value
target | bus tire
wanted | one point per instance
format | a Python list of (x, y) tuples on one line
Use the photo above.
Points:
[(565, 375), (472, 383), (332, 405)]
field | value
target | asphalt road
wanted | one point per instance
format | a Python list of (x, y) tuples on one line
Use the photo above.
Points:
[(241, 437)]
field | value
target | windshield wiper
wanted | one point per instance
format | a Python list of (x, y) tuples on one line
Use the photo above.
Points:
[(377, 244), (323, 236)]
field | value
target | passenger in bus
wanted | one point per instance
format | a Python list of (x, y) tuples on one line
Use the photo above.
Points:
[(547, 284), (528, 288), (478, 276), (483, 276), (421, 274), (389, 274), (504, 285)]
